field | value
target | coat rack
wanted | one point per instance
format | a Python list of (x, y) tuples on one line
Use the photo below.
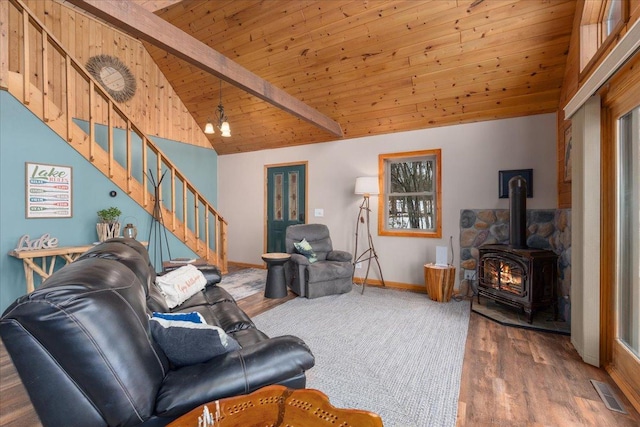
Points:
[(157, 228)]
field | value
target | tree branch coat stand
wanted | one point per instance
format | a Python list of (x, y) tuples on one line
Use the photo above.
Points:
[(157, 229), (366, 186)]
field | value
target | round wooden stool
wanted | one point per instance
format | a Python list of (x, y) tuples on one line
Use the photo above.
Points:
[(276, 286)]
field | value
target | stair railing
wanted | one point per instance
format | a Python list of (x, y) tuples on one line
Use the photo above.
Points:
[(34, 67)]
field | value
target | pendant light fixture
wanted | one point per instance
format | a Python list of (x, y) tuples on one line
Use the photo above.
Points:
[(223, 122)]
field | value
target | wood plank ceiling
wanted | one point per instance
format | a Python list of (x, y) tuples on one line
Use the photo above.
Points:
[(374, 66)]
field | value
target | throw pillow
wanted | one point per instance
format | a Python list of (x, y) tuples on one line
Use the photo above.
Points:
[(303, 247), (187, 343), (181, 284)]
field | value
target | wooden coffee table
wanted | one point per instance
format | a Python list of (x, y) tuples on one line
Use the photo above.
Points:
[(279, 406)]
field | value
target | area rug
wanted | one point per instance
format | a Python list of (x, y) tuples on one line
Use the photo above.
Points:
[(395, 353), (244, 283)]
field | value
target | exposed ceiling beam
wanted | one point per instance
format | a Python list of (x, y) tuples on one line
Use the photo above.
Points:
[(140, 23), (153, 5)]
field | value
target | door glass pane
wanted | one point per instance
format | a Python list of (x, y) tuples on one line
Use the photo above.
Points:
[(293, 196), (277, 196), (628, 294)]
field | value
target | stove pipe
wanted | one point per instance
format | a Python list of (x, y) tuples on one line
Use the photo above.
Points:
[(518, 212)]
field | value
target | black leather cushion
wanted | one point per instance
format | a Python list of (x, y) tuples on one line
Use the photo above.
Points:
[(239, 372), (118, 251), (249, 336), (226, 315), (211, 273), (131, 253), (91, 318), (83, 347), (218, 308)]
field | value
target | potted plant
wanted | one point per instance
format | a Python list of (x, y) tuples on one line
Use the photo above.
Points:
[(108, 225)]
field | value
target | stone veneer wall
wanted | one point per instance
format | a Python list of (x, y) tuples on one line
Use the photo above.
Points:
[(546, 229)]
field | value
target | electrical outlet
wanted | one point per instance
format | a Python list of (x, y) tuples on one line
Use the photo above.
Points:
[(359, 265), (469, 274)]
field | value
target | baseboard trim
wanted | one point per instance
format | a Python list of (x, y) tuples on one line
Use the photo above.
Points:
[(627, 389), (245, 265), (394, 285)]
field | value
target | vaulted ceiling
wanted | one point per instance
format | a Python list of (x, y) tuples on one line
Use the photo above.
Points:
[(373, 66)]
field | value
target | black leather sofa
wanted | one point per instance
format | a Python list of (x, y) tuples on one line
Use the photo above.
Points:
[(82, 345)]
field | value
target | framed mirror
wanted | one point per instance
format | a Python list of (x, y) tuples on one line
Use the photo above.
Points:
[(113, 75)]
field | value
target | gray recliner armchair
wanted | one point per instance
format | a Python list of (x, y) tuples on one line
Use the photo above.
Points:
[(330, 274)]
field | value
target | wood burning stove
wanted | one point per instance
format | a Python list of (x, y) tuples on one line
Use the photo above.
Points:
[(514, 274), (522, 278)]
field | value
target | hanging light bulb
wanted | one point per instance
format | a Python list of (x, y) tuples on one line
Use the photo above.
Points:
[(208, 128)]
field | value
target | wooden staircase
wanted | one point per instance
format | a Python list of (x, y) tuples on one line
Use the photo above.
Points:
[(40, 73)]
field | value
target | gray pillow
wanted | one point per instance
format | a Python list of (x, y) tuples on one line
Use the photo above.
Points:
[(188, 343)]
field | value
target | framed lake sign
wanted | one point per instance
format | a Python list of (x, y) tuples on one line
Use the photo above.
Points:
[(48, 191)]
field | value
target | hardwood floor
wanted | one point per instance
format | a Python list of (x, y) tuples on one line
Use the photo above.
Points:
[(510, 377), (518, 377)]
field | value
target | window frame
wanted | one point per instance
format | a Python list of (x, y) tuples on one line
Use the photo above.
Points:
[(594, 42), (383, 161)]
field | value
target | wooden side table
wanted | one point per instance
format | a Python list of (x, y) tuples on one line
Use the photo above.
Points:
[(277, 405), (439, 281), (276, 286), (47, 261), (43, 261)]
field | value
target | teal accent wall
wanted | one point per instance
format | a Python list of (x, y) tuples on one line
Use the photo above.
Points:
[(200, 164), (195, 162), (189, 157), (24, 138)]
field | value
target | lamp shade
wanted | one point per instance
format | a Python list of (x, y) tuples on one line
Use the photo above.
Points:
[(225, 129), (367, 185), (208, 128)]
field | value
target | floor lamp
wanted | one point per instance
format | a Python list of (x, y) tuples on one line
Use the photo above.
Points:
[(366, 186)]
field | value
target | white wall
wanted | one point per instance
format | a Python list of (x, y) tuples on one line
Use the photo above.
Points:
[(472, 155)]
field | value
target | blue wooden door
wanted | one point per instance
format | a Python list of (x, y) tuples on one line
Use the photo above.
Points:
[(285, 202)]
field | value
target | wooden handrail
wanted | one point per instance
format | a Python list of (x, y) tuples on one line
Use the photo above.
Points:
[(188, 229)]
